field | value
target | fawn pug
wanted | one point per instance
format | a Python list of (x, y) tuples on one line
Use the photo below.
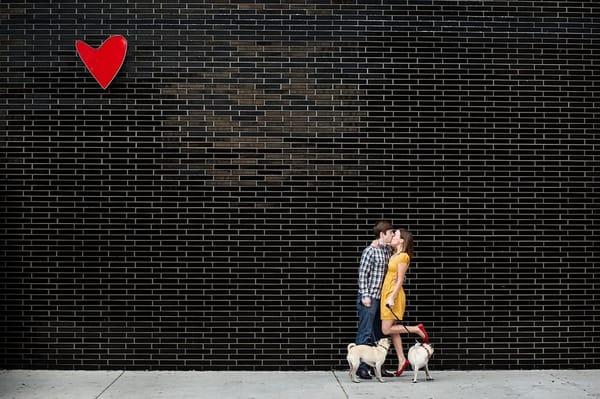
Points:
[(372, 355), (418, 356)]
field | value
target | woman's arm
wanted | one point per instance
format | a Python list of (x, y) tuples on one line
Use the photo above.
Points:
[(401, 271)]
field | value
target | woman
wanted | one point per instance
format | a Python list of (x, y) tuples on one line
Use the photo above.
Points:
[(393, 300)]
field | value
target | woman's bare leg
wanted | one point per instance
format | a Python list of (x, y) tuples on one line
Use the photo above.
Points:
[(399, 350), (388, 328)]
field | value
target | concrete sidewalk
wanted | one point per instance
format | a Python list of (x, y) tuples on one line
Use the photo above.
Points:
[(543, 384)]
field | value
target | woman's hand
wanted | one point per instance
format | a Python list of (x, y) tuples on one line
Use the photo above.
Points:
[(389, 302)]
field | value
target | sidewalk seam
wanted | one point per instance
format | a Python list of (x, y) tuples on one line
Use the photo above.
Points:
[(110, 385), (340, 384)]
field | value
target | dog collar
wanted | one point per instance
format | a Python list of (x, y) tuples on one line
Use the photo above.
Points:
[(429, 354)]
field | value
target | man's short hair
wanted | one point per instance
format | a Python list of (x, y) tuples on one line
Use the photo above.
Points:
[(381, 227)]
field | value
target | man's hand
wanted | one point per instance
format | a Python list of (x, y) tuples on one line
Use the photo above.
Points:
[(366, 301)]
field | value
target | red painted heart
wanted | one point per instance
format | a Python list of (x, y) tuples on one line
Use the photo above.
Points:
[(105, 61)]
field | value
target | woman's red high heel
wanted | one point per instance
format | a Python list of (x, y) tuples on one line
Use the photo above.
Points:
[(399, 372), (426, 336)]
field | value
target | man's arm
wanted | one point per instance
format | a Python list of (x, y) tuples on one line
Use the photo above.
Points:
[(364, 274)]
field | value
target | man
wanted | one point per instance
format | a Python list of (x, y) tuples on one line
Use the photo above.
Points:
[(373, 265)]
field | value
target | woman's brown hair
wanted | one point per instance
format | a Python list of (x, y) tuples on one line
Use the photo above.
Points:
[(408, 242)]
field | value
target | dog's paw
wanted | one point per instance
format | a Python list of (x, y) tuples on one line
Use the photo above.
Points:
[(414, 381), (429, 378)]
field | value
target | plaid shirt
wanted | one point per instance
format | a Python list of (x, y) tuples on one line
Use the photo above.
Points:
[(373, 265)]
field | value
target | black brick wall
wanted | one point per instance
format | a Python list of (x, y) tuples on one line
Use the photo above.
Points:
[(208, 210)]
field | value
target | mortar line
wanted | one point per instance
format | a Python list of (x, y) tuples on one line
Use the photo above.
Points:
[(111, 384)]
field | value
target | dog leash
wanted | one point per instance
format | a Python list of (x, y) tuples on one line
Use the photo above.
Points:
[(387, 305)]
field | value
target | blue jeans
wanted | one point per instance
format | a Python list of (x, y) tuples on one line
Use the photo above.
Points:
[(369, 324)]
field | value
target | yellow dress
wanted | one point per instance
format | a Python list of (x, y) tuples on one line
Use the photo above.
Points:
[(388, 287)]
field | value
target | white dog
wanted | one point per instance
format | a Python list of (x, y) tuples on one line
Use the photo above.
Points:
[(418, 356), (372, 355)]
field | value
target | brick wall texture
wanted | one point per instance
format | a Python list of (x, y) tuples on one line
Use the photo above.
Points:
[(208, 210)]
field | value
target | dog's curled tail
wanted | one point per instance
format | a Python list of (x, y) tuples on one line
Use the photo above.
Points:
[(350, 346)]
